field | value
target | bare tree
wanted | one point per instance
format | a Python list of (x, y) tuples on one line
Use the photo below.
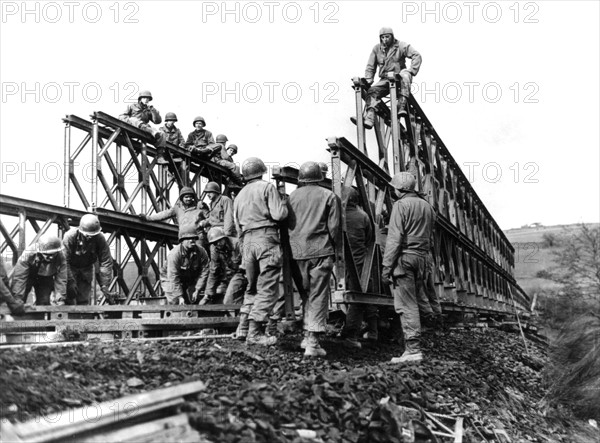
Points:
[(578, 262)]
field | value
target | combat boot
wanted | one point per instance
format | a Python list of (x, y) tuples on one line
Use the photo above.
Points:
[(242, 330), (256, 336), (402, 106), (304, 341), (368, 119), (412, 354), (313, 347), (160, 156)]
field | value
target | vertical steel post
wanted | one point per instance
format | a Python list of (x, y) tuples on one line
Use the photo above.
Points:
[(67, 167), (397, 148)]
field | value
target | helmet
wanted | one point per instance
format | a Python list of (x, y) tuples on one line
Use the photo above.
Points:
[(404, 181), (170, 116), (212, 187), (145, 94), (199, 119), (253, 167), (221, 138), (385, 30), (234, 147), (89, 225), (216, 234), (188, 231), (310, 172), (351, 196), (49, 244), (186, 190)]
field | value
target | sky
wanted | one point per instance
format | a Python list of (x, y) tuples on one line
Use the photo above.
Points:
[(512, 88)]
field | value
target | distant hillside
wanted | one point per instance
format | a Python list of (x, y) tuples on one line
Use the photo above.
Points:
[(532, 253)]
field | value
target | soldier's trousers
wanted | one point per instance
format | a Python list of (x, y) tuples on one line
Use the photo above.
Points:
[(408, 280), (79, 285), (235, 289), (43, 287), (316, 276), (429, 302), (382, 88), (262, 260)]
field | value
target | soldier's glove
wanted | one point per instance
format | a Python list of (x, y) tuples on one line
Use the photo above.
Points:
[(143, 217), (386, 280), (195, 296)]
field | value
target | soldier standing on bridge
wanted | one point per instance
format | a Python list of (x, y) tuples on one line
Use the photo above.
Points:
[(84, 247), (222, 264), (140, 115), (221, 210), (43, 268), (410, 233), (257, 210), (187, 268), (314, 225), (390, 56)]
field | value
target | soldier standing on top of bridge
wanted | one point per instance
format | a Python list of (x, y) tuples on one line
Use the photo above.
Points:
[(83, 247), (43, 268), (314, 226), (390, 56), (410, 233), (199, 139), (257, 210), (222, 264), (139, 115), (187, 268)]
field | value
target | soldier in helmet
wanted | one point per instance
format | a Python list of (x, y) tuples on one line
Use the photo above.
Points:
[(43, 268), (390, 55), (314, 226), (172, 133), (257, 210), (187, 268), (410, 233), (224, 157), (221, 210), (140, 115), (84, 247), (224, 263), (200, 141)]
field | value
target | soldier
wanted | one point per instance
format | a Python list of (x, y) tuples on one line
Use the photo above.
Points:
[(314, 217), (410, 232), (43, 268), (199, 139), (222, 265), (223, 157), (187, 268), (185, 210), (172, 133), (15, 305), (83, 247), (360, 236), (256, 210), (390, 55), (221, 210), (140, 115)]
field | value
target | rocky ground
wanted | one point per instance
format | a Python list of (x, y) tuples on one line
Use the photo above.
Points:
[(256, 394)]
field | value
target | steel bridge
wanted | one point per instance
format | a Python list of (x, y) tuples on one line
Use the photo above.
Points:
[(474, 261)]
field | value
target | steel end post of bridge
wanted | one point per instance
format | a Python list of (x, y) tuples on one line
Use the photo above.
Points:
[(396, 147), (67, 166), (336, 186), (360, 127)]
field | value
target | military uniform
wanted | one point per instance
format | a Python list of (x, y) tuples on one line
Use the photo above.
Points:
[(140, 115), (32, 271), (221, 215), (187, 272), (82, 253), (15, 305)]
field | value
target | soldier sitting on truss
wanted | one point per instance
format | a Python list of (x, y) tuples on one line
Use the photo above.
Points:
[(201, 141), (224, 157), (140, 115), (187, 269), (390, 55), (43, 268), (172, 133), (16, 305), (84, 247)]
